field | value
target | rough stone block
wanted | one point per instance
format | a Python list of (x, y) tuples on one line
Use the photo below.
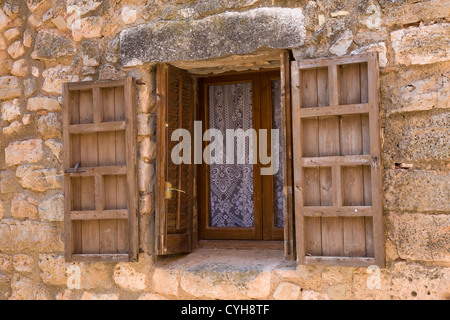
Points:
[(50, 126), (11, 110), (23, 235), (421, 45), (416, 190), (87, 28), (166, 281), (55, 77), (16, 50), (20, 68), (38, 179), (24, 206), (52, 209), (53, 269), (181, 40), (10, 88), (99, 296), (28, 151), (50, 45), (6, 262), (56, 148), (23, 263), (129, 278), (407, 13), (147, 149), (417, 137), (422, 237), (287, 291), (24, 288), (37, 104), (146, 173)]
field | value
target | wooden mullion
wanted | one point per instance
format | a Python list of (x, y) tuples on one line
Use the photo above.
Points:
[(337, 185), (97, 127), (327, 62), (333, 85), (298, 169), (131, 152), (162, 102), (347, 211), (335, 110), (97, 101), (339, 261), (336, 160), (104, 171), (66, 163), (286, 94), (99, 196), (375, 151), (88, 85), (118, 257), (99, 214)]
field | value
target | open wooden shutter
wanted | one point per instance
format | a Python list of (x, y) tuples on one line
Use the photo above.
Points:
[(100, 192), (337, 165), (286, 165), (174, 216)]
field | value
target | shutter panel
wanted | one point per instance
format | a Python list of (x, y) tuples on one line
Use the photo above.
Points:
[(174, 216), (100, 192), (337, 166), (286, 165)]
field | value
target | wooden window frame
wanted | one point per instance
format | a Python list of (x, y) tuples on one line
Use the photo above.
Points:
[(130, 251), (263, 185)]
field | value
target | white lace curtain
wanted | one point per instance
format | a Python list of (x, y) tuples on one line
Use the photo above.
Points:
[(231, 185)]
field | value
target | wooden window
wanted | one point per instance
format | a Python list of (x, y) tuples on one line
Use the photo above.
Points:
[(256, 112), (100, 185), (174, 208), (337, 167)]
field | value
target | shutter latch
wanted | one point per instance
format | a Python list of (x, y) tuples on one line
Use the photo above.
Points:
[(169, 189), (74, 170)]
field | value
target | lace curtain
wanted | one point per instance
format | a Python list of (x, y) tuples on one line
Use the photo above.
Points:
[(231, 185), (278, 178)]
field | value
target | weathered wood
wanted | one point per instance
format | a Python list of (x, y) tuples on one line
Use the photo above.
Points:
[(352, 160), (97, 127), (99, 215), (103, 170), (375, 151), (103, 195), (131, 160), (349, 211), (175, 111), (327, 62), (89, 85), (340, 261), (286, 108), (334, 110), (348, 151), (297, 146), (67, 118)]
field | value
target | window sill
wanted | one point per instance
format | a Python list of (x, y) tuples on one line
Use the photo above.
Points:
[(218, 273), (241, 244)]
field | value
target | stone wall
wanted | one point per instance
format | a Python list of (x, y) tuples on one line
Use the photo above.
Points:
[(44, 43)]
